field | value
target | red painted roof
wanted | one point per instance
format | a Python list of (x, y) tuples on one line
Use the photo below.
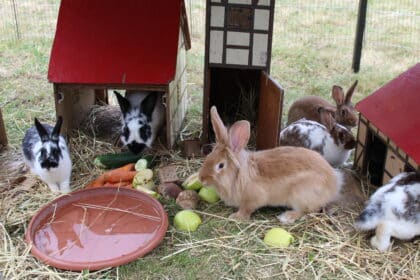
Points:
[(395, 110), (116, 42)]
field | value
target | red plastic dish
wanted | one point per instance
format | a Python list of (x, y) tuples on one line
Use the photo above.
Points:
[(97, 228)]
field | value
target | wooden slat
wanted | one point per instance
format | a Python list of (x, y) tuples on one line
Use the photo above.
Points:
[(358, 157), (361, 135), (393, 163), (386, 178), (412, 162), (269, 112), (3, 136)]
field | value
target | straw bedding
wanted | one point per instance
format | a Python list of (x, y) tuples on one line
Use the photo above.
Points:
[(326, 246)]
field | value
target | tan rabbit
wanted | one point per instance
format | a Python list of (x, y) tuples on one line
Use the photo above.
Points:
[(285, 176), (308, 107)]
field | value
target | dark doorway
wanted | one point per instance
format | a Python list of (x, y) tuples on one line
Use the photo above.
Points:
[(235, 93), (374, 162)]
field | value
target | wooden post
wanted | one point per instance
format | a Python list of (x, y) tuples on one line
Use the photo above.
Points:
[(3, 136), (73, 103)]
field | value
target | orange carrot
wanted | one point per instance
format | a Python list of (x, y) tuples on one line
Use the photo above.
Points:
[(122, 184), (115, 176), (125, 173), (98, 182), (127, 167)]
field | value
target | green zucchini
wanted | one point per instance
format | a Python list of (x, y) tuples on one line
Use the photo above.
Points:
[(111, 161)]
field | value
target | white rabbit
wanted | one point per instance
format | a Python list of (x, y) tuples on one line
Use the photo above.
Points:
[(394, 210), (46, 153), (284, 176), (332, 140), (143, 117)]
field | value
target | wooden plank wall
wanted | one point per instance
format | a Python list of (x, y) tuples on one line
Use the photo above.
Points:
[(177, 94)]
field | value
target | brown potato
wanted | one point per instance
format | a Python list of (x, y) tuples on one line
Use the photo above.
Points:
[(188, 199)]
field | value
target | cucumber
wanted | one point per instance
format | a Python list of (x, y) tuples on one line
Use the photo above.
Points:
[(111, 161)]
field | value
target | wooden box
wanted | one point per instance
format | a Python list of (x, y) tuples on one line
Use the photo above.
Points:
[(237, 63)]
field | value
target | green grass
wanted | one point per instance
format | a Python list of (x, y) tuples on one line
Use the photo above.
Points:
[(312, 51), (24, 90)]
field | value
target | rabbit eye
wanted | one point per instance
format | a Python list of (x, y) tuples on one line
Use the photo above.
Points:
[(343, 113), (220, 165)]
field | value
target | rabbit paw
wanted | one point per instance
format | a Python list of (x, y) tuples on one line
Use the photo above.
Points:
[(65, 187), (239, 216), (381, 245), (382, 238), (289, 217), (54, 188)]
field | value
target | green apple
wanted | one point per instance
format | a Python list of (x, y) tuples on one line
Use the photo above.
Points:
[(278, 237), (208, 194), (187, 220), (192, 183)]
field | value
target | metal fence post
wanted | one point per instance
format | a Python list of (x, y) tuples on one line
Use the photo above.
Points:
[(16, 19), (360, 29)]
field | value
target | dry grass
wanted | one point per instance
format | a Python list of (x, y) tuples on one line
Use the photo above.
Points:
[(325, 247)]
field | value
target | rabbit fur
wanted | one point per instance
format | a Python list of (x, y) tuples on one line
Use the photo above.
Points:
[(284, 176), (46, 154), (393, 210), (308, 107), (332, 140), (143, 117)]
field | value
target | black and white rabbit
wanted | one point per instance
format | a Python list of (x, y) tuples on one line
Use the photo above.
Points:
[(332, 140), (143, 117), (394, 210), (47, 155)]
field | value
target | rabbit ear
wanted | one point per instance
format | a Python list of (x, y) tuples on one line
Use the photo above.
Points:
[(326, 118), (219, 128), (338, 95), (123, 102), (239, 135), (349, 93), (56, 131), (43, 133), (148, 104)]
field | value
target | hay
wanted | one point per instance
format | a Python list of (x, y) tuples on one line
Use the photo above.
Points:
[(325, 246), (103, 122)]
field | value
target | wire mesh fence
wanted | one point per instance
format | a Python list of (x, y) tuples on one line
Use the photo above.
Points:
[(389, 23), (28, 19)]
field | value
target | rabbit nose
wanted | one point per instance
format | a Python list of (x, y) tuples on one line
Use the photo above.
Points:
[(136, 148), (49, 163)]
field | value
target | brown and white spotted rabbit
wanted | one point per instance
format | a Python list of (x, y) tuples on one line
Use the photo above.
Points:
[(393, 210), (284, 176), (332, 140), (308, 107)]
